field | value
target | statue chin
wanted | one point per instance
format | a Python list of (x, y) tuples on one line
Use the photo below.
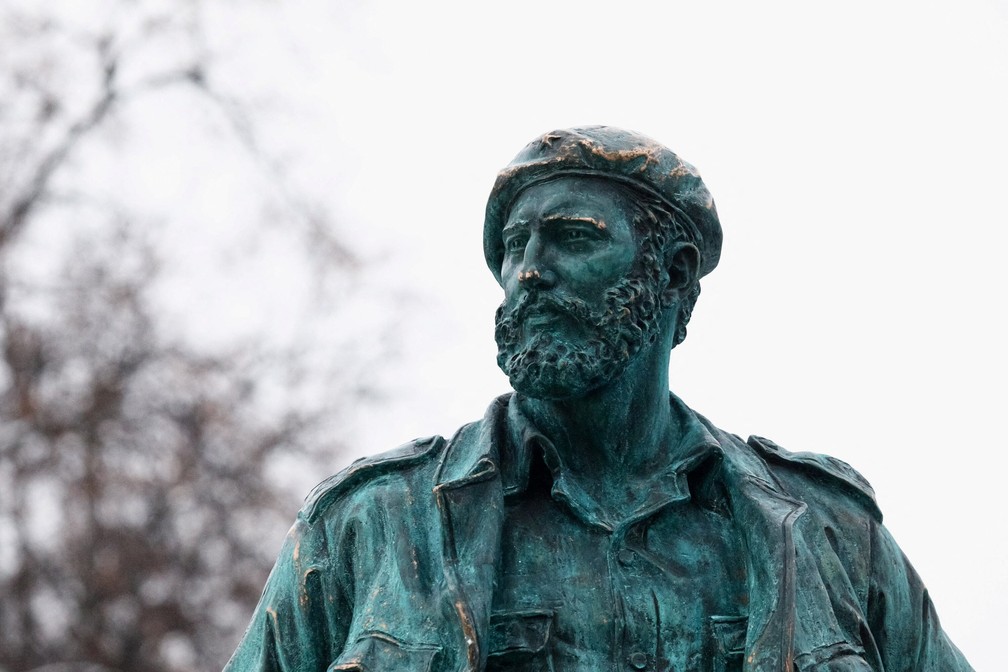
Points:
[(552, 385), (548, 368)]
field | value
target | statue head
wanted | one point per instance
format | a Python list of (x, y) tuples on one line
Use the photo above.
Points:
[(599, 238)]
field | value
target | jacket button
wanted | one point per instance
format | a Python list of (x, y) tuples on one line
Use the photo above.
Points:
[(638, 660), (626, 557)]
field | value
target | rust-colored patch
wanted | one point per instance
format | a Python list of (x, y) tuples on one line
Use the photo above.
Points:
[(303, 598), (650, 156), (568, 218), (472, 650), (548, 139), (683, 170)]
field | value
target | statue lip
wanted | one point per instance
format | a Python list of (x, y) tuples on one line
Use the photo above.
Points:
[(541, 319)]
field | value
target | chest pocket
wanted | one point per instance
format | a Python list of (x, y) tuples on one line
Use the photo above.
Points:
[(728, 634), (378, 651), (519, 642)]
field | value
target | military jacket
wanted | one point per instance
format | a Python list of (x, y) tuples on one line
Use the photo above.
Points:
[(391, 565)]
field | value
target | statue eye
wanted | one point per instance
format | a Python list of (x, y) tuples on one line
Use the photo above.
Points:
[(515, 244), (574, 234)]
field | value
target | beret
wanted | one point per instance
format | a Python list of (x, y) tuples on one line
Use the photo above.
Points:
[(615, 154)]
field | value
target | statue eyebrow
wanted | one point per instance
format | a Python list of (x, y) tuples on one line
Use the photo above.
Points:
[(515, 225), (597, 223)]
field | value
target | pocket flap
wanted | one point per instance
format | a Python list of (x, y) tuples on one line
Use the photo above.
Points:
[(729, 635), (840, 656), (378, 652), (520, 632)]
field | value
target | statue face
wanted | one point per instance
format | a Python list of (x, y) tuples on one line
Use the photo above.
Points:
[(575, 310)]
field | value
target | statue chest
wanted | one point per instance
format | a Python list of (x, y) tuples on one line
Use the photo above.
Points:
[(666, 592)]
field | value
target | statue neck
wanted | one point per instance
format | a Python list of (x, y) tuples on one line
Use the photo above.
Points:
[(616, 436)]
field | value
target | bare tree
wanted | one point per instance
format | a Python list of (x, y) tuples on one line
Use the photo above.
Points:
[(136, 472), (136, 481)]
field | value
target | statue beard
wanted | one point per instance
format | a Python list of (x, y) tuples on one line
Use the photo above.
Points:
[(554, 364)]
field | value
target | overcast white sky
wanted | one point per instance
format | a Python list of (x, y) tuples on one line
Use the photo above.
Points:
[(857, 155)]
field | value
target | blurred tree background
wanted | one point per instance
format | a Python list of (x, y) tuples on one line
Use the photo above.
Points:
[(141, 468)]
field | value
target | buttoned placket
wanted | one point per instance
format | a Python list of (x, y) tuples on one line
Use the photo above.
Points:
[(638, 627), (636, 635)]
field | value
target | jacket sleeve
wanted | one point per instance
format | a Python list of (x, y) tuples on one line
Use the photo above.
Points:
[(302, 618), (904, 625)]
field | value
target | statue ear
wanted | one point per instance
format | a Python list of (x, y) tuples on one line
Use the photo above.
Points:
[(682, 261), (682, 264)]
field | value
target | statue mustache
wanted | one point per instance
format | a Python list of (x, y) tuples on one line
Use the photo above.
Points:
[(538, 303)]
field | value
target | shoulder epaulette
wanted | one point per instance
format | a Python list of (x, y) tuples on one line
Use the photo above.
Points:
[(820, 465), (326, 492)]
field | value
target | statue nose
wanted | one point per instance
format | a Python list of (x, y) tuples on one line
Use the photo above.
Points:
[(535, 278)]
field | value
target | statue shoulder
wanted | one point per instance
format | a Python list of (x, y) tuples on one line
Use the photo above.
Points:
[(822, 470), (364, 469)]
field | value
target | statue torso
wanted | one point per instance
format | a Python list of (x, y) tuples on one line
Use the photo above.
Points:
[(574, 592)]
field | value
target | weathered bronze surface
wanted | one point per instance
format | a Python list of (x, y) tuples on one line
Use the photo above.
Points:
[(591, 521)]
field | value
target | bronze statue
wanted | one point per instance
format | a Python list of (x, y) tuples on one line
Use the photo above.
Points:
[(591, 521)]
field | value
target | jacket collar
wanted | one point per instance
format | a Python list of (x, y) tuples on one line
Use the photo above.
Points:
[(476, 447), (690, 446)]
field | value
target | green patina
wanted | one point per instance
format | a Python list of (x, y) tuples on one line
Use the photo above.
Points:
[(591, 520)]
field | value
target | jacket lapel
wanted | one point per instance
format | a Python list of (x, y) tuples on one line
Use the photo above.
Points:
[(791, 614), (470, 500), (766, 521)]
